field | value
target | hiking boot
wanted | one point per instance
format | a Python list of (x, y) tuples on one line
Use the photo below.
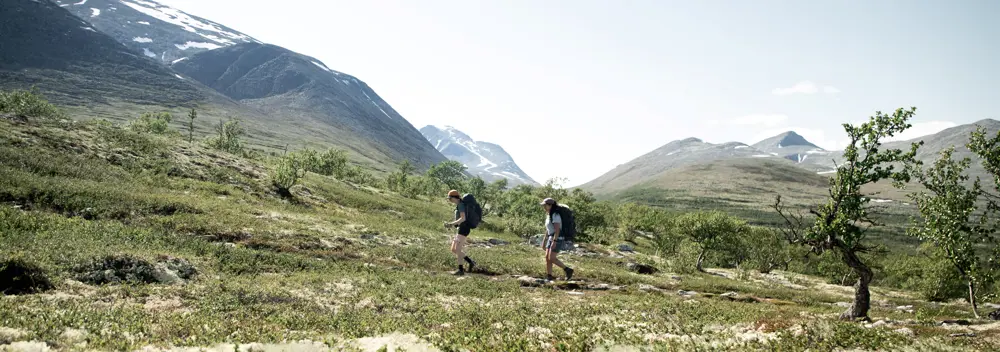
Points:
[(550, 278), (472, 264), (459, 272), (569, 273)]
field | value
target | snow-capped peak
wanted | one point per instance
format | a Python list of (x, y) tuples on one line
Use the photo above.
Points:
[(149, 27), (487, 160)]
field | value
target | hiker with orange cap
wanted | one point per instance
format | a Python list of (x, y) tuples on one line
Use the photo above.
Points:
[(467, 216)]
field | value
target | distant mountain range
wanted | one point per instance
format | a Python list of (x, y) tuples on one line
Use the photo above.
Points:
[(675, 163), (487, 160), (106, 54)]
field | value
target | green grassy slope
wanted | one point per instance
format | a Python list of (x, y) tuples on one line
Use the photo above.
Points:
[(341, 263), (747, 188)]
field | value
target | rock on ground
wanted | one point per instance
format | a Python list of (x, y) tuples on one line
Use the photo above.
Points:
[(115, 269), (641, 268)]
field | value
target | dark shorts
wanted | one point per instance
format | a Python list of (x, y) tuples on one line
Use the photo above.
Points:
[(548, 243), (464, 229)]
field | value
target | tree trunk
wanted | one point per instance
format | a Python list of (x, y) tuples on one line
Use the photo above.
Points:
[(972, 298), (862, 295), (701, 258)]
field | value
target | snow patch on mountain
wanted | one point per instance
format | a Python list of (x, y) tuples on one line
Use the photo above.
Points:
[(189, 45), (147, 52), (487, 160), (376, 105), (95, 12), (183, 20), (142, 40)]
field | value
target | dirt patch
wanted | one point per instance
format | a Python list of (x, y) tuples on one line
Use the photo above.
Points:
[(8, 335), (391, 342), (19, 277), (164, 304), (449, 303)]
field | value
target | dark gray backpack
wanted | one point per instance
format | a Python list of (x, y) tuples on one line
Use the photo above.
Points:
[(473, 212)]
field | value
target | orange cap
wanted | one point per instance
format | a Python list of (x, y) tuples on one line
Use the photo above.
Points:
[(454, 193)]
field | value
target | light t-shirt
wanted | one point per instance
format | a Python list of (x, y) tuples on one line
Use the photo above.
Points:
[(556, 219)]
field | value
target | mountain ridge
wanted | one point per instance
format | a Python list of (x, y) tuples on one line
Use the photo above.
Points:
[(487, 160), (789, 148), (303, 90), (76, 64), (157, 31)]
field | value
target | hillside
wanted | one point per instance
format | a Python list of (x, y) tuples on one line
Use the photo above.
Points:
[(47, 47), (652, 165), (328, 105), (488, 160), (113, 239), (155, 30), (957, 136), (44, 45)]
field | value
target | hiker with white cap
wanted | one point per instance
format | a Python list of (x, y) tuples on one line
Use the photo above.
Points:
[(558, 221)]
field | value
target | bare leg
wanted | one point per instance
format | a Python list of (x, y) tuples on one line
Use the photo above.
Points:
[(552, 258), (458, 247), (548, 265)]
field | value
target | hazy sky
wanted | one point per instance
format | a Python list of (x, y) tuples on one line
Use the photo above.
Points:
[(612, 80)]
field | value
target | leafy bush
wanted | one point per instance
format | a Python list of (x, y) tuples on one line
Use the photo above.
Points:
[(928, 273), (150, 122), (398, 181), (632, 218), (764, 249), (422, 185), (358, 175), (27, 104), (333, 162), (127, 138), (450, 172), (286, 174), (685, 259), (712, 231), (229, 137)]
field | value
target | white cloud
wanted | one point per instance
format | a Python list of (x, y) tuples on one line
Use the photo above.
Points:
[(759, 119), (920, 129), (805, 87)]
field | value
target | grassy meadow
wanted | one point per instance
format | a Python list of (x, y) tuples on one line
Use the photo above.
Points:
[(117, 239)]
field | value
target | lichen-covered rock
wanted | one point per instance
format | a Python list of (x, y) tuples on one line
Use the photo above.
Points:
[(116, 269), (645, 269), (536, 240)]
